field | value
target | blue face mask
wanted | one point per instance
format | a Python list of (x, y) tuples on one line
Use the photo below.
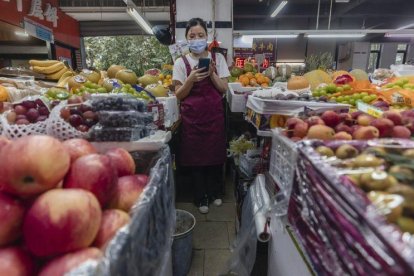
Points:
[(197, 46)]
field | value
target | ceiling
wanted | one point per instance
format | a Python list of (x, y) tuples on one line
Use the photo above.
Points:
[(302, 14), (109, 17)]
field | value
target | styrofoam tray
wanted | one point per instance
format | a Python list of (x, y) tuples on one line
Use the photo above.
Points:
[(289, 108), (151, 143), (237, 102)]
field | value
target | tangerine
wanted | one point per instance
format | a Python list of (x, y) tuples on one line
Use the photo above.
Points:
[(249, 75), (253, 82)]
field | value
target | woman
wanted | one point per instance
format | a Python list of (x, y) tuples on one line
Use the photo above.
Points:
[(202, 143)]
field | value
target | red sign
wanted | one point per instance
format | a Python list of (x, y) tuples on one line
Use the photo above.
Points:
[(45, 12)]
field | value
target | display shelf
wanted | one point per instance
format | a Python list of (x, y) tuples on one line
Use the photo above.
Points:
[(263, 133), (151, 143)]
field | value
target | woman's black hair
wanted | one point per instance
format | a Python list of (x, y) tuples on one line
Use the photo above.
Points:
[(194, 22)]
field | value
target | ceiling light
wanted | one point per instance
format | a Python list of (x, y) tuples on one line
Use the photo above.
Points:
[(24, 34), (343, 35), (341, 1), (399, 35), (406, 26), (278, 8), (140, 20), (270, 36)]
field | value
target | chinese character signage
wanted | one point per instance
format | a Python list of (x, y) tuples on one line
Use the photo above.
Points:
[(49, 13), (267, 47)]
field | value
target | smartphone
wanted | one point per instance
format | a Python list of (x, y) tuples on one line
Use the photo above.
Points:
[(204, 63)]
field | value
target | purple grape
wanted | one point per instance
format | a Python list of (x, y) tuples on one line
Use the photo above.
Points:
[(75, 120)]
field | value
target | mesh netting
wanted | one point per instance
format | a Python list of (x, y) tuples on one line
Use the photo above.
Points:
[(60, 129), (13, 131)]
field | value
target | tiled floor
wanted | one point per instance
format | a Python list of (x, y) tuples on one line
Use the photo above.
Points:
[(213, 234)]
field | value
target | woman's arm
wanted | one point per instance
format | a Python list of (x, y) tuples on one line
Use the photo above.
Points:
[(220, 84)]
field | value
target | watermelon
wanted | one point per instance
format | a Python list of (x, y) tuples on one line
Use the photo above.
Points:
[(236, 72), (153, 72), (316, 77)]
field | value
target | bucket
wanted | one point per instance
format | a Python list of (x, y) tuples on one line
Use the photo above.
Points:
[(182, 248)]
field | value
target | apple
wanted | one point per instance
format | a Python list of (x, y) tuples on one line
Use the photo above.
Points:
[(291, 122), (20, 110), (63, 264), (401, 132), (346, 118), (122, 160), (34, 165), (14, 261), (3, 142), (112, 221), (384, 126), (32, 114), (366, 133), (365, 120), (342, 135), (78, 148), (128, 189), (342, 127), (394, 116), (321, 132), (315, 120), (94, 173), (300, 130), (331, 118), (61, 221), (11, 217)]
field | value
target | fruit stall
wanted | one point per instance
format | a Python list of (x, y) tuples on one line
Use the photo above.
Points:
[(86, 183), (338, 148)]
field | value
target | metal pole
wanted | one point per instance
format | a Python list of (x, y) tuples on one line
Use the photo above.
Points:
[(330, 14), (317, 16)]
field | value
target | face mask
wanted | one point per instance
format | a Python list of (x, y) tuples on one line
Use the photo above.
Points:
[(197, 46)]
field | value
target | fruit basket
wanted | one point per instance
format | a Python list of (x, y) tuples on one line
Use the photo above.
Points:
[(342, 229)]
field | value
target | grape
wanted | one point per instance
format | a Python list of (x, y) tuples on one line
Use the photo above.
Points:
[(345, 102), (75, 120), (363, 94), (22, 122), (357, 96), (65, 113), (339, 89), (83, 128), (11, 117), (43, 111), (340, 99), (373, 97), (28, 104), (41, 118), (20, 109), (334, 99), (32, 114), (89, 115), (352, 101), (366, 99), (347, 98), (346, 87)]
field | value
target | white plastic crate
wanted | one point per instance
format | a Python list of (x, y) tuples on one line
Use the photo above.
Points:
[(249, 165), (283, 158), (237, 102)]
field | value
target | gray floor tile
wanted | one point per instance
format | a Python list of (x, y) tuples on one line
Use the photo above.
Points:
[(190, 207), (197, 263), (225, 212), (211, 235), (232, 232), (215, 261)]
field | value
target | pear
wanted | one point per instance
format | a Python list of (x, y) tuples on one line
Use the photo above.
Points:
[(409, 153), (406, 224), (325, 151), (376, 181), (391, 206), (367, 160), (346, 151)]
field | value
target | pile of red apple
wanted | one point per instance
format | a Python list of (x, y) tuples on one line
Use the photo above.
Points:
[(28, 112), (347, 126), (61, 203)]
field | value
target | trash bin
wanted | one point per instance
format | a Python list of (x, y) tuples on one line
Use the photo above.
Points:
[(182, 248)]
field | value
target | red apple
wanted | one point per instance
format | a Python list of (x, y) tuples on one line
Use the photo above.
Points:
[(291, 122), (128, 190), (356, 114), (314, 120), (61, 221), (366, 133), (78, 148), (321, 132), (3, 142), (34, 165), (331, 118), (342, 127), (401, 132), (14, 261), (346, 118), (11, 217), (20, 110), (384, 126), (63, 264), (94, 173), (300, 130), (295, 139), (112, 221), (122, 160), (394, 116)]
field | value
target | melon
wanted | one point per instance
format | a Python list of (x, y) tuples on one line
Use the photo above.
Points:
[(359, 74), (91, 75), (113, 69), (153, 71), (316, 77), (339, 73), (248, 67), (127, 76), (147, 80), (157, 90), (236, 72), (271, 72)]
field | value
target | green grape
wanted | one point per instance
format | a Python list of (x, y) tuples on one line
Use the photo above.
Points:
[(373, 97), (347, 98), (345, 102), (366, 99), (346, 87), (333, 99), (352, 102), (316, 93), (340, 99), (339, 89), (101, 90), (363, 94), (322, 93), (357, 96)]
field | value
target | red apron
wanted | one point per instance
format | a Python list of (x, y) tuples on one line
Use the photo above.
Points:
[(203, 141)]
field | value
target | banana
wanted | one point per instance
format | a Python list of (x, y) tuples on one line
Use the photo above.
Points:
[(68, 73), (42, 63), (64, 80), (58, 74), (50, 69)]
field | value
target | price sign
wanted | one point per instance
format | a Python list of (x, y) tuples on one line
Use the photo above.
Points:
[(369, 109)]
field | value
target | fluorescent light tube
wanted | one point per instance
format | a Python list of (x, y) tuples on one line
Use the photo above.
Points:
[(405, 27), (270, 36), (140, 20), (335, 35), (399, 35), (278, 8), (21, 33)]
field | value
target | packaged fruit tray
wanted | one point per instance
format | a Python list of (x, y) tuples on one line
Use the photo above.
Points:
[(124, 118), (351, 206), (290, 106)]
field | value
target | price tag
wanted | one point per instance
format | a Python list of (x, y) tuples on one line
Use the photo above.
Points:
[(369, 109)]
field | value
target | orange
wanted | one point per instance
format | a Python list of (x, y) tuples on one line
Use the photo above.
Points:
[(264, 85), (253, 82), (244, 80), (260, 80), (258, 75), (4, 95), (250, 75), (267, 80)]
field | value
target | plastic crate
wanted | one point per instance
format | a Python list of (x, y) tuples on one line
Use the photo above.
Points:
[(283, 156), (248, 165)]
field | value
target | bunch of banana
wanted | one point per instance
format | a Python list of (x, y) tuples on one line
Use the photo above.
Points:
[(64, 79), (52, 69)]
